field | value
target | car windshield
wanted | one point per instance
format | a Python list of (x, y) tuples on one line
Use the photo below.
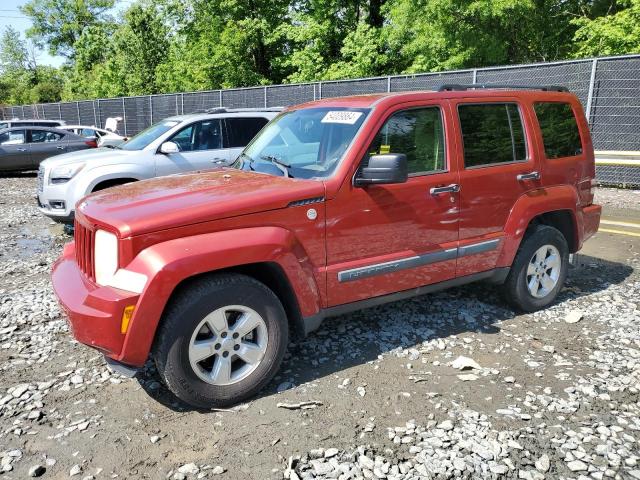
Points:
[(4, 125), (147, 136), (307, 143)]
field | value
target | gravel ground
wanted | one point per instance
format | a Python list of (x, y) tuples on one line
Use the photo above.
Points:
[(453, 385)]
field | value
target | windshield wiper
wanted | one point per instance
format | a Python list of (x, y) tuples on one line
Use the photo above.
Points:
[(278, 163)]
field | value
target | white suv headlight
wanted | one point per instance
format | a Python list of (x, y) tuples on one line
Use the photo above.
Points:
[(106, 256), (64, 173)]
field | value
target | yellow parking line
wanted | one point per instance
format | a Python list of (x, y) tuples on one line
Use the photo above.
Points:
[(620, 224), (621, 232)]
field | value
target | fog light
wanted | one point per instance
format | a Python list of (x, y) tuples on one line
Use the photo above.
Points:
[(126, 318), (57, 204)]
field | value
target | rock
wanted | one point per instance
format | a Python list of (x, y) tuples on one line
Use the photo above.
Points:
[(19, 390), (76, 379), (509, 379), (465, 363), (577, 466), (361, 391), (75, 470), (543, 463), (331, 452), (285, 386), (218, 470), (37, 471), (154, 439), (468, 377), (574, 316), (189, 469), (445, 425)]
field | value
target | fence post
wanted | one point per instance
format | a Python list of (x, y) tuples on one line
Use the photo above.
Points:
[(95, 117), (78, 111), (592, 81), (124, 117), (182, 104), (151, 110), (59, 111), (389, 84), (22, 106), (220, 96), (475, 76), (265, 97), (319, 90)]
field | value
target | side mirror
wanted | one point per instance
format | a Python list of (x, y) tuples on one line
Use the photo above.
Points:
[(169, 147), (383, 169)]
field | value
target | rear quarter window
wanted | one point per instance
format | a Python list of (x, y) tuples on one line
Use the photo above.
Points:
[(560, 133), (241, 131)]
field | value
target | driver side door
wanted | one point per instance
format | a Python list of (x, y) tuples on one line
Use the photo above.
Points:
[(200, 144)]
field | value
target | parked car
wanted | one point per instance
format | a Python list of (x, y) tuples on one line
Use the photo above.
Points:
[(23, 148), (174, 145), (336, 205), (105, 138), (30, 123)]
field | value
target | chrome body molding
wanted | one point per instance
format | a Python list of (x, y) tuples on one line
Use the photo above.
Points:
[(416, 261)]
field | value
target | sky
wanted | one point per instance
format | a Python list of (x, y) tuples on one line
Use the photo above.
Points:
[(11, 15)]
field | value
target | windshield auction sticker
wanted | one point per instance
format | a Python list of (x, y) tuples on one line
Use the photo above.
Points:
[(341, 116)]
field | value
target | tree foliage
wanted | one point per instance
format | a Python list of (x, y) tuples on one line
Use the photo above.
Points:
[(177, 45)]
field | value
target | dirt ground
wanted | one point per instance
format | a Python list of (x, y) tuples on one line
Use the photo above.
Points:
[(562, 383)]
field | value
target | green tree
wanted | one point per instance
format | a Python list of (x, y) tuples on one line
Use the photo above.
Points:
[(58, 24), (614, 34)]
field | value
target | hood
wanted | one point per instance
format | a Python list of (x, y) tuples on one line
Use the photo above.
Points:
[(178, 200), (101, 155)]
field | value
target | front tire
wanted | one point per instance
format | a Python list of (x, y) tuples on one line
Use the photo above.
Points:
[(222, 340), (539, 270)]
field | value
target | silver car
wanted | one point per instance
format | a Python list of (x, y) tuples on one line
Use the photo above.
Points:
[(174, 145)]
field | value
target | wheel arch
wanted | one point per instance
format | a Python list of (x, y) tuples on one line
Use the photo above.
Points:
[(271, 255), (555, 207)]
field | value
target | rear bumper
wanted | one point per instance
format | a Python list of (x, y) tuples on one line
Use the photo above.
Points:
[(94, 312), (590, 221)]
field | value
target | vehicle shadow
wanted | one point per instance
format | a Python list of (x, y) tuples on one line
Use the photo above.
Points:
[(27, 174), (356, 338)]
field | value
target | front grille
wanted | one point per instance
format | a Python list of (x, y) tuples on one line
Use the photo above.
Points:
[(84, 249), (40, 179)]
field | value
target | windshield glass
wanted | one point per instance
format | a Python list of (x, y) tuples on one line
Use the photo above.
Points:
[(4, 125), (147, 136), (308, 142)]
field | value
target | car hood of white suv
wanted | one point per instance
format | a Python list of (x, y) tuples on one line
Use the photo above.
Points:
[(101, 156)]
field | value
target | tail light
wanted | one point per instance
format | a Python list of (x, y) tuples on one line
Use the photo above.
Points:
[(92, 143)]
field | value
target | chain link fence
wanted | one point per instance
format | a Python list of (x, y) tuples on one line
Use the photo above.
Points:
[(608, 87)]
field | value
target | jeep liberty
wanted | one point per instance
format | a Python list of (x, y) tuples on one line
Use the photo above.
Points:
[(336, 205)]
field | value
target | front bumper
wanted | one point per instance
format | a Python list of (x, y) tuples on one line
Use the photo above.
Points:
[(94, 312)]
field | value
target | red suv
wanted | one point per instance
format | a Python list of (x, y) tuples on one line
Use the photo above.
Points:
[(336, 205)]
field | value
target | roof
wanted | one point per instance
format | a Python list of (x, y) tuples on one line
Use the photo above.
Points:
[(230, 113), (470, 91)]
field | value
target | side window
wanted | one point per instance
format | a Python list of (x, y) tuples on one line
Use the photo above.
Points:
[(492, 133), (241, 131), (42, 136), (14, 137), (205, 135), (559, 127), (419, 134), (88, 132)]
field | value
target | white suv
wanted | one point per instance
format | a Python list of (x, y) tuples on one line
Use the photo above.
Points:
[(174, 145)]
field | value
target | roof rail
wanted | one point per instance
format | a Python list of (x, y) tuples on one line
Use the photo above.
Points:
[(449, 87), (229, 110)]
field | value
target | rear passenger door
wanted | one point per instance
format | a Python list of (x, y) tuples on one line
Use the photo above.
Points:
[(45, 144), (497, 166), (239, 131), (14, 151)]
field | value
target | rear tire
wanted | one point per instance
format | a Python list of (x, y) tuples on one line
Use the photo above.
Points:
[(222, 340), (539, 269)]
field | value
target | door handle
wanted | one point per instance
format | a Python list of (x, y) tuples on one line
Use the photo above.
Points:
[(60, 147), (21, 149), (218, 160), (523, 177), (453, 188)]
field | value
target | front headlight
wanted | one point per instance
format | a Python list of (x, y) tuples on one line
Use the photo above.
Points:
[(64, 173), (106, 256)]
